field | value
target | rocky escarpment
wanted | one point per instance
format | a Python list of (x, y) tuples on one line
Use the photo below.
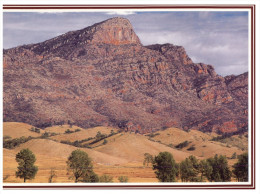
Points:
[(103, 75)]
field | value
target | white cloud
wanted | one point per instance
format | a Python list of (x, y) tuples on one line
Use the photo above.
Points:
[(219, 39), (120, 12)]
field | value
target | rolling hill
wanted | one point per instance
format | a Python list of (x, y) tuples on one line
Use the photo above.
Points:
[(123, 153), (16, 130)]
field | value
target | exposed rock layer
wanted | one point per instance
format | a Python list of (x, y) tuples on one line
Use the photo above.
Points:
[(103, 75)]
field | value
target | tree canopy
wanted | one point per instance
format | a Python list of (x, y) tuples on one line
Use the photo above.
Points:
[(165, 167), (80, 165), (241, 168), (205, 169), (189, 169), (220, 169), (148, 158), (26, 168)]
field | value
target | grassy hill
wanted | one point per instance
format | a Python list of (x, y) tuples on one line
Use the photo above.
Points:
[(196, 143), (120, 154), (55, 149), (82, 134), (60, 129), (16, 130), (133, 146)]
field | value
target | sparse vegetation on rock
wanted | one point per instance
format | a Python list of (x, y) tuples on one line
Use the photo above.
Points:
[(123, 83)]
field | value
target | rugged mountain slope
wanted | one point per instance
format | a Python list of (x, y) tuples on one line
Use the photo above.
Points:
[(103, 75)]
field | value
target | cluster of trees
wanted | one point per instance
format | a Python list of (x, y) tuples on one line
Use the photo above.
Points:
[(51, 123), (47, 134), (214, 169), (152, 135), (35, 129), (70, 131), (228, 135), (10, 143), (79, 166), (99, 137), (76, 144), (165, 167), (182, 145)]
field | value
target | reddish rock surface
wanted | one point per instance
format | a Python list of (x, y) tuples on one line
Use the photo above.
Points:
[(103, 75)]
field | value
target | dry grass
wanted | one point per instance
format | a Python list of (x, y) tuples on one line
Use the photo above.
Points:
[(208, 149), (60, 129), (83, 134), (121, 156), (132, 147), (16, 130), (46, 147), (134, 171), (239, 141), (201, 141), (175, 136)]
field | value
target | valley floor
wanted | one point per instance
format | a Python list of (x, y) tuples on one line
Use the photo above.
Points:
[(122, 154)]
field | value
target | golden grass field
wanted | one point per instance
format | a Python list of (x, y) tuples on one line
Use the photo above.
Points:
[(205, 148), (16, 130), (83, 134), (122, 155)]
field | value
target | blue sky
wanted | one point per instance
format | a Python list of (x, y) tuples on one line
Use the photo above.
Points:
[(216, 38)]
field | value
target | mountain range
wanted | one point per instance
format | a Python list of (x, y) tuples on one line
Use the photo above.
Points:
[(103, 75)]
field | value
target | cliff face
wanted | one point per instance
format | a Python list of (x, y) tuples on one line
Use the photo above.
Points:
[(103, 75)]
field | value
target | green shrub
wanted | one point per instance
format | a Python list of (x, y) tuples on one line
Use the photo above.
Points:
[(6, 137), (105, 142), (152, 135), (182, 145), (106, 179), (123, 179), (191, 148), (68, 131), (12, 143), (77, 130)]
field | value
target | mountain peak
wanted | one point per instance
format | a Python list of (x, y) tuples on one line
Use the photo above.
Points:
[(116, 21), (115, 31), (102, 76)]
